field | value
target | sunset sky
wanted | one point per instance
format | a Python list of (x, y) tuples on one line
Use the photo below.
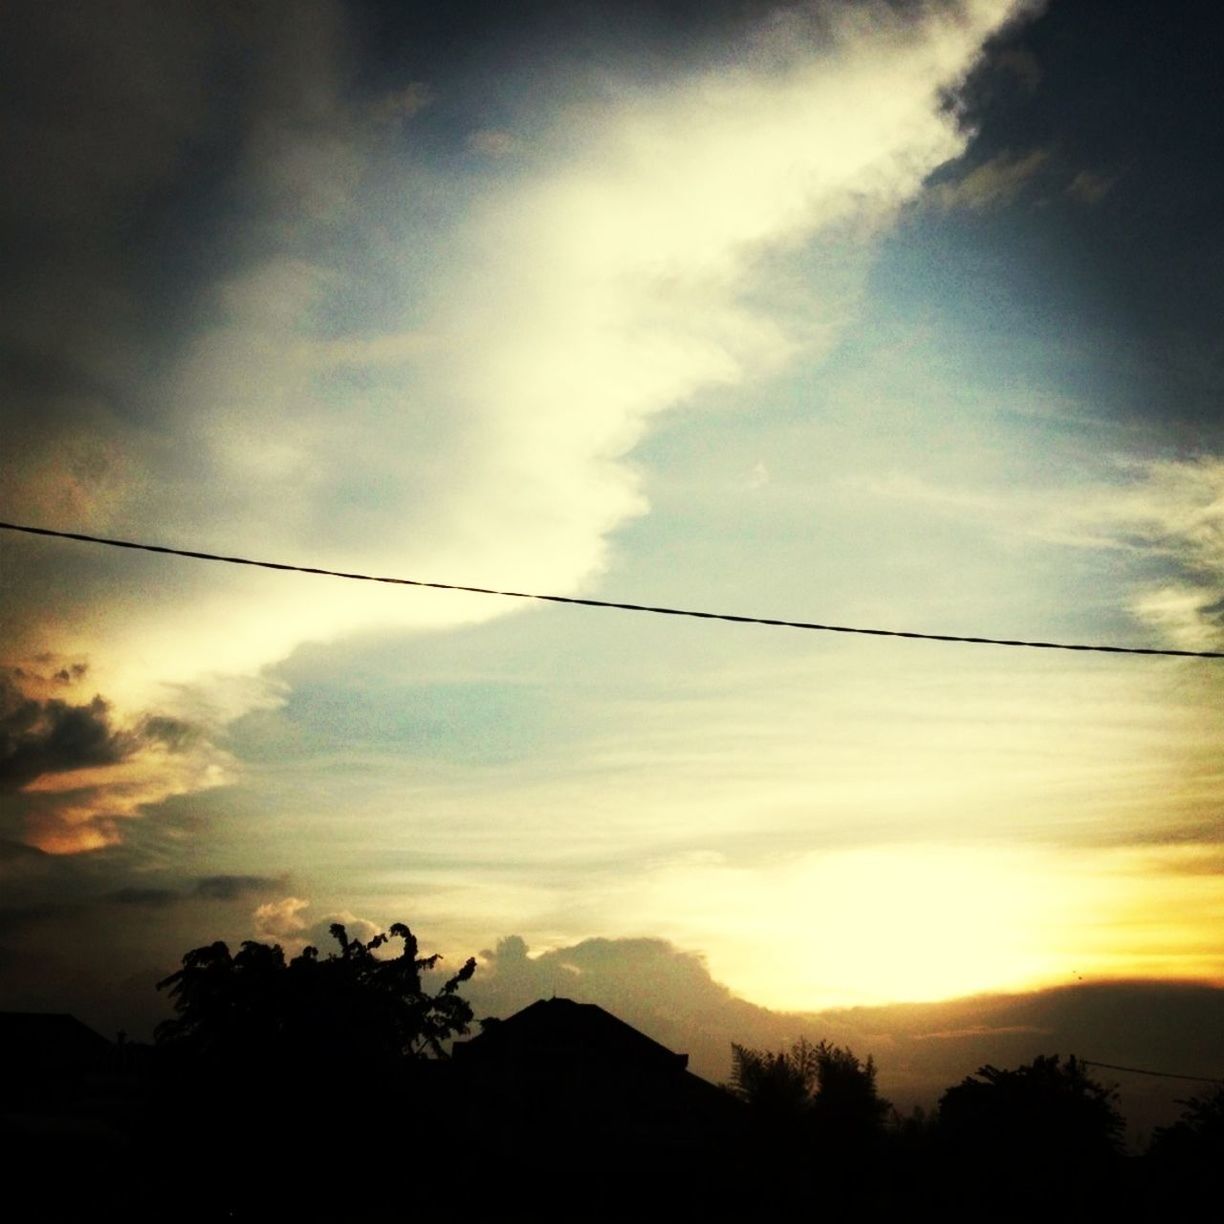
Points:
[(893, 315)]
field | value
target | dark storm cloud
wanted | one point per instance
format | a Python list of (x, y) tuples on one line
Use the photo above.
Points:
[(39, 737), (101, 104), (47, 735), (480, 58), (207, 888), (132, 137), (456, 39), (1119, 226), (232, 887), (50, 744), (15, 855), (174, 733), (91, 934)]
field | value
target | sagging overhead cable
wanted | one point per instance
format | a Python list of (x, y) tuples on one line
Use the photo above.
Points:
[(609, 603)]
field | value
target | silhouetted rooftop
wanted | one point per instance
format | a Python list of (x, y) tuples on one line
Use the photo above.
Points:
[(561, 1027), (37, 1037)]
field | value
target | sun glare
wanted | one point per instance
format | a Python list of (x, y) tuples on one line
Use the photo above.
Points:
[(867, 926)]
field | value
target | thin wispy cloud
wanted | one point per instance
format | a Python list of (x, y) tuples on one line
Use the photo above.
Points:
[(1166, 510), (995, 182)]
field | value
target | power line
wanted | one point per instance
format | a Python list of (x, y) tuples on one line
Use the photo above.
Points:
[(1198, 1079), (607, 603)]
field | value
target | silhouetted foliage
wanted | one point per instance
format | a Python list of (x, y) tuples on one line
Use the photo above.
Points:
[(1046, 1102), (264, 1058), (350, 1006), (779, 1085), (1187, 1158), (1201, 1123), (819, 1117), (818, 1081), (846, 1095), (1045, 1128)]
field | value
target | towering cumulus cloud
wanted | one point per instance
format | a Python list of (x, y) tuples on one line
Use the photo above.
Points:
[(229, 353)]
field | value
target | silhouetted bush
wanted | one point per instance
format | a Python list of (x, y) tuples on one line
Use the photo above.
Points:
[(1043, 1136), (1186, 1160)]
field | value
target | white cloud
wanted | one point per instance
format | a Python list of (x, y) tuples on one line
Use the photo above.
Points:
[(356, 928), (995, 182), (1089, 188), (1169, 512), (618, 276), (1174, 509), (281, 920), (758, 477), (1191, 617), (1173, 506)]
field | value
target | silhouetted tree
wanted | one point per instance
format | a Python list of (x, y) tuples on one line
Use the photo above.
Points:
[(846, 1095), (351, 1006), (819, 1081), (819, 1119), (1186, 1160), (267, 1058), (776, 1085), (1045, 1130)]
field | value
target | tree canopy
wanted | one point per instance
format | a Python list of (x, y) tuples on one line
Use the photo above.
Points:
[(817, 1118), (1045, 1105), (1187, 1157), (1045, 1128), (352, 1006), (816, 1079)]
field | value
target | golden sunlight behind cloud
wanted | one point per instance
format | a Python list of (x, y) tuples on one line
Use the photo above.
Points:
[(870, 925)]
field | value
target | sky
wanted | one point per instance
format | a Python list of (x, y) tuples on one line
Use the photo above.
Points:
[(865, 313)]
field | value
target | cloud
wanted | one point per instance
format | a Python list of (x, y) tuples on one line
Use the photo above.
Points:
[(208, 888), (1173, 509), (985, 1030), (357, 928), (648, 982), (1023, 66), (492, 142), (73, 772), (403, 103), (993, 183), (1166, 512), (53, 736), (107, 111), (15, 855), (232, 887), (1089, 188), (1189, 617), (450, 393), (280, 921), (758, 477)]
